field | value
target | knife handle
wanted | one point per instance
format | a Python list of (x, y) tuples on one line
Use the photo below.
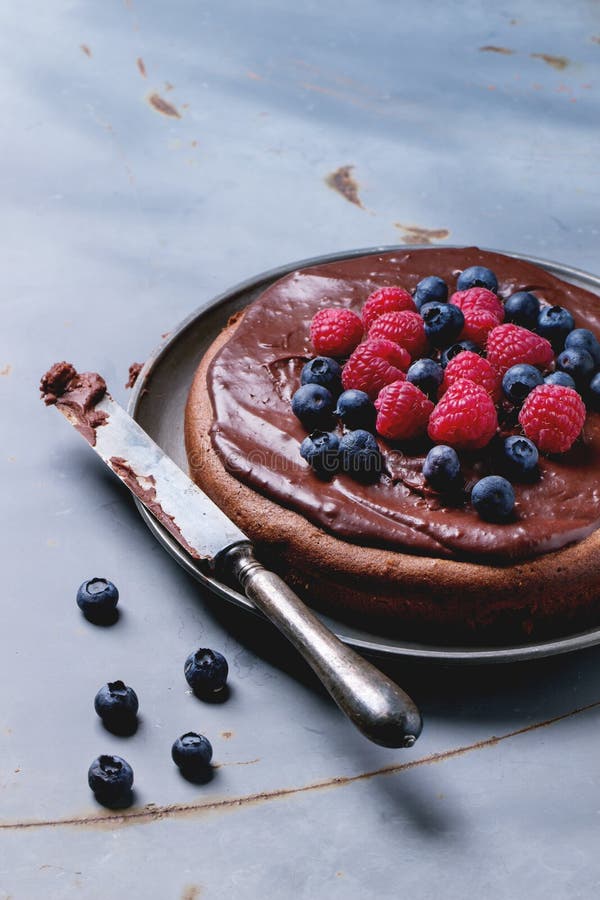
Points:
[(371, 700)]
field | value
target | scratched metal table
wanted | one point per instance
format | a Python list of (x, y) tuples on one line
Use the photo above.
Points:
[(153, 155)]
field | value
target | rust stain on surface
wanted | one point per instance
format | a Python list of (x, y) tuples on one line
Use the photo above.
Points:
[(491, 48), (343, 182), (227, 734), (191, 892), (141, 67), (557, 62), (163, 106), (151, 813), (85, 49), (414, 234), (6, 370)]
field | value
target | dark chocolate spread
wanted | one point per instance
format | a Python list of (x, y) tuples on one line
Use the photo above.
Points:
[(77, 395), (256, 435)]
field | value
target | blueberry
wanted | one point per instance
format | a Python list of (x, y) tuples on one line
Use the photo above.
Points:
[(493, 498), (522, 309), (519, 381), (111, 780), (356, 410), (560, 378), (584, 339), (443, 323), (192, 753), (97, 599), (360, 455), (206, 671), (521, 458), (429, 290), (577, 363), (554, 323), (442, 468), (427, 375), (324, 371), (593, 396), (477, 276), (313, 405), (321, 451), (117, 706), (454, 349)]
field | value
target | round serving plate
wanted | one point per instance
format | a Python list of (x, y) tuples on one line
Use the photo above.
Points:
[(158, 402)]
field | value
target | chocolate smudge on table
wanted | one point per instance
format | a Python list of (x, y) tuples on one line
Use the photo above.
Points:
[(557, 62), (141, 67), (414, 234), (76, 395), (163, 106), (143, 486), (491, 48), (85, 49), (343, 182), (134, 370)]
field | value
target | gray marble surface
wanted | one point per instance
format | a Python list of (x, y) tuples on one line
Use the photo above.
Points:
[(475, 122)]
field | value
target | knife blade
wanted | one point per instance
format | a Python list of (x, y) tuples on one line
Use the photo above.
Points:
[(373, 702)]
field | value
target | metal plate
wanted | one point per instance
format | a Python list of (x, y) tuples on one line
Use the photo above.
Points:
[(158, 402)]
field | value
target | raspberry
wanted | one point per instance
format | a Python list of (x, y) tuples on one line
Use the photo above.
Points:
[(335, 332), (552, 416), (404, 411), (465, 417), (386, 299), (508, 345), (474, 368), (482, 311), (374, 364), (405, 328)]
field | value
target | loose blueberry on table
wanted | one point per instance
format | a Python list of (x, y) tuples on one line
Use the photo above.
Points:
[(97, 599), (501, 381), (117, 705), (192, 754), (111, 780), (206, 672)]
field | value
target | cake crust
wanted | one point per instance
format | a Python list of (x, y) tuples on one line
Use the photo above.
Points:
[(437, 599)]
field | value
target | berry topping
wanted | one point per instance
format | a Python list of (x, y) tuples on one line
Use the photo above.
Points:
[(519, 381), (443, 323), (374, 364), (335, 331), (441, 468), (577, 363), (560, 378), (520, 458), (321, 451), (324, 371), (522, 309), (404, 328), (552, 417), (356, 410), (475, 368), (508, 345), (192, 754), (313, 405), (554, 323), (403, 411), (97, 599), (477, 276), (206, 672), (594, 392), (360, 456), (465, 417), (430, 290), (454, 349), (111, 780), (493, 498), (427, 375), (584, 339), (117, 706), (482, 311), (386, 299)]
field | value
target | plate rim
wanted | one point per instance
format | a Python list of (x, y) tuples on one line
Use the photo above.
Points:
[(415, 651)]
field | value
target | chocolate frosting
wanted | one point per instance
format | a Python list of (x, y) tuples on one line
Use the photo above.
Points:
[(257, 437), (76, 395)]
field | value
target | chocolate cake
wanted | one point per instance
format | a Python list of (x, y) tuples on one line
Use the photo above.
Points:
[(393, 550)]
